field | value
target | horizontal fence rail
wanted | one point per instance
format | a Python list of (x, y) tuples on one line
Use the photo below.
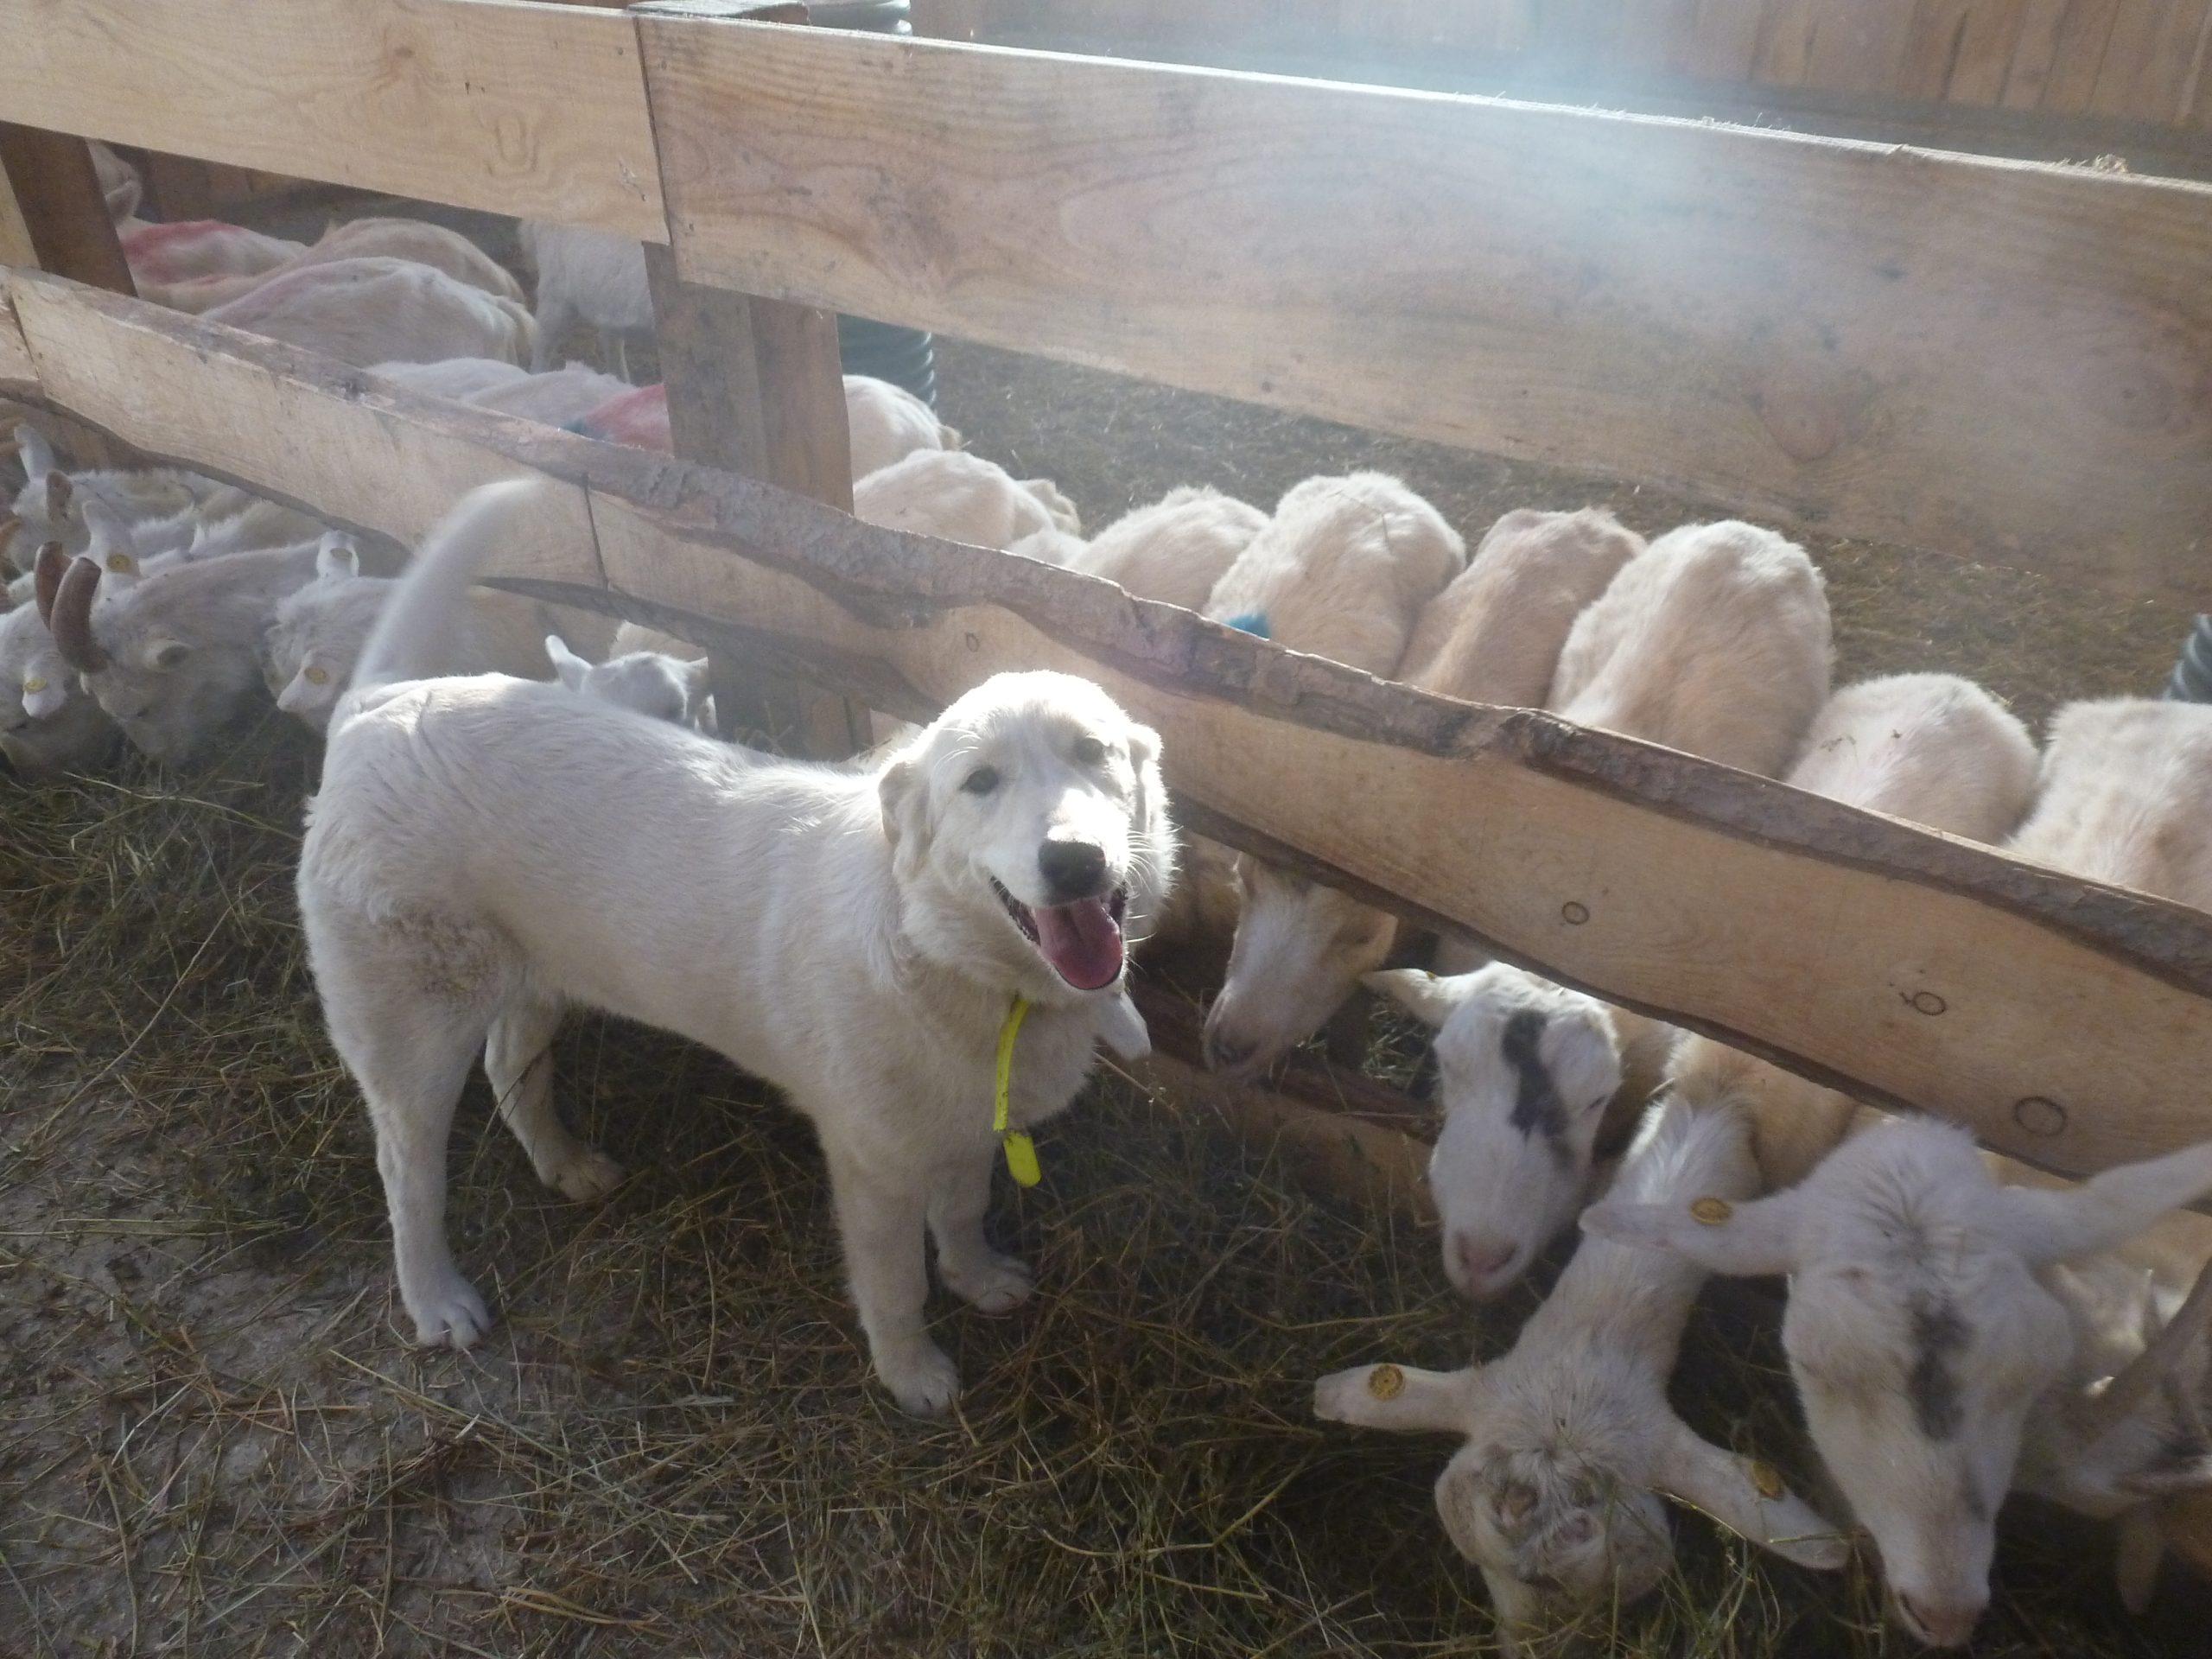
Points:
[(1999, 360), (2069, 1024)]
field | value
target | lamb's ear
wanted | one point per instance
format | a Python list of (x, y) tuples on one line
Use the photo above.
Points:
[(2058, 1224), (1719, 1235), (904, 791), (336, 557), (1748, 1498), (37, 454), (1430, 998), (114, 543), (44, 696), (1397, 1397), (567, 664), (2142, 1547)]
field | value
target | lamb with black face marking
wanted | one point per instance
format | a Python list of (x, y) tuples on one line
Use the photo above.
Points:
[(1569, 1439), (486, 851), (1919, 1333)]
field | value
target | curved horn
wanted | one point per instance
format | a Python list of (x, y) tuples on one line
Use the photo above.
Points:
[(58, 492), (2160, 1357), (52, 563), (72, 621)]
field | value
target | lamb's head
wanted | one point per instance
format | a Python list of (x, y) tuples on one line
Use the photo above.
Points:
[(1300, 950), (314, 641), (652, 682), (2127, 1425), (1527, 1069), (48, 722), (1918, 1332), (1028, 826), (169, 655), (1555, 1494)]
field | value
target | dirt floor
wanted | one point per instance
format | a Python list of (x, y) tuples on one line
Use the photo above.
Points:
[(215, 1439)]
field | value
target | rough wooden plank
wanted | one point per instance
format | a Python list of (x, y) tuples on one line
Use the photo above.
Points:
[(2079, 56), (1979, 67), (1720, 42), (2034, 53), (1859, 48), (18, 374), (58, 195), (1814, 330), (16, 247), (289, 421), (2067, 1023), (533, 110)]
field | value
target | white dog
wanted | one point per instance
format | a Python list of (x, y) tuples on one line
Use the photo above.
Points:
[(486, 850)]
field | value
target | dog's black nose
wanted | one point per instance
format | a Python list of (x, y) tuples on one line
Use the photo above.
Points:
[(1072, 869)]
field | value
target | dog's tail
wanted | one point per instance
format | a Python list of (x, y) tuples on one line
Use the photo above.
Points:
[(412, 634)]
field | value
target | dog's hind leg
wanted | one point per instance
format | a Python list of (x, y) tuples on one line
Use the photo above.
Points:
[(519, 1060), (959, 1194), (411, 1057), (880, 1217)]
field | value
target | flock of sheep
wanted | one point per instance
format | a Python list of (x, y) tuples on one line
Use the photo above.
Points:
[(1953, 1332)]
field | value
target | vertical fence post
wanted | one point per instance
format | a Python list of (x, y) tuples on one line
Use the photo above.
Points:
[(63, 216), (755, 386)]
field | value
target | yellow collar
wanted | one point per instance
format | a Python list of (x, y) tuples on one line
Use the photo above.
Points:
[(1020, 1151)]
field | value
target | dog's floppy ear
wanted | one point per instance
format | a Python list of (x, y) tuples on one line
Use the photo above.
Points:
[(904, 791)]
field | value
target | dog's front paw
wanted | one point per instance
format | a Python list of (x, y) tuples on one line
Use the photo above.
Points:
[(448, 1315), (994, 1284), (585, 1174), (921, 1377)]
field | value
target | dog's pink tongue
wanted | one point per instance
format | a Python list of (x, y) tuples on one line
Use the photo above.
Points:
[(1082, 942)]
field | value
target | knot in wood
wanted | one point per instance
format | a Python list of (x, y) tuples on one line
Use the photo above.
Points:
[(1574, 914), (1928, 1002), (2040, 1114)]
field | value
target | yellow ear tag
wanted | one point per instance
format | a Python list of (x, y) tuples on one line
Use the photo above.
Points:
[(1021, 1152), (1710, 1212), (1386, 1381), (1766, 1479), (35, 683), (316, 675), (121, 562)]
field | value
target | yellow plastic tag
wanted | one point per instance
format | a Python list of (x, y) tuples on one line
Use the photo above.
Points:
[(1711, 1213), (34, 684), (1020, 1151), (121, 562)]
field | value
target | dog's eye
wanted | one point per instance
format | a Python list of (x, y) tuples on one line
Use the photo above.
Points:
[(1089, 751), (981, 781)]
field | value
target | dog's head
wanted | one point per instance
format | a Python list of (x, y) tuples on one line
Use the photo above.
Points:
[(1029, 834)]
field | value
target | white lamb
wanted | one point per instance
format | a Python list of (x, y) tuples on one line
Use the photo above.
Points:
[(2124, 798), (1495, 634), (655, 683), (1178, 549), (459, 379), (558, 398), (1343, 570), (887, 424), (48, 723), (315, 635), (1570, 1442), (43, 509), (1918, 1332), (410, 240), (171, 654), (961, 497), (365, 311), (1524, 1113), (1492, 636), (589, 276), (195, 249)]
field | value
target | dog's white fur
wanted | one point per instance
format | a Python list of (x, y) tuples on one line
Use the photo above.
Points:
[(484, 851)]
